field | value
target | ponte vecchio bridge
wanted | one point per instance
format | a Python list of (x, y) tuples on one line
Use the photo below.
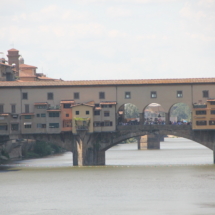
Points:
[(82, 116)]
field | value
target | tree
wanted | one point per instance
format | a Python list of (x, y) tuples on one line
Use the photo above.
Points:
[(181, 111), (131, 111)]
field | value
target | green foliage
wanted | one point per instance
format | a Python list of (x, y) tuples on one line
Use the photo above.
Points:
[(42, 148), (182, 111), (131, 111), (4, 153), (31, 155), (130, 140)]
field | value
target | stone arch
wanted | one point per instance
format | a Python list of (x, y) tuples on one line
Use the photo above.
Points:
[(153, 112), (205, 138), (180, 111), (128, 113)]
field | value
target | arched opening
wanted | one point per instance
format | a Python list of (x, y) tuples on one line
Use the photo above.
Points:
[(180, 113), (173, 151), (128, 114), (154, 114)]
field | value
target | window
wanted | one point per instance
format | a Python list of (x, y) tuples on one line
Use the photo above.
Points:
[(96, 124), (24, 95), (53, 125), (179, 94), (3, 127), (76, 95), (110, 106), (27, 126), (212, 111), (50, 96), (212, 122), (43, 115), (67, 115), (27, 116), (13, 108), (97, 105), (201, 112), (201, 122), (26, 108), (39, 125), (87, 112), (54, 114), (101, 95), (76, 112), (106, 113), (205, 93), (104, 106), (67, 123), (127, 95), (41, 106), (14, 127), (96, 112), (153, 94), (212, 103), (1, 108), (66, 105), (107, 123), (38, 115)]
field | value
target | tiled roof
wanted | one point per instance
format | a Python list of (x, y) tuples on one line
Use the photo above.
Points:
[(13, 50), (5, 64), (26, 66), (108, 82), (23, 114)]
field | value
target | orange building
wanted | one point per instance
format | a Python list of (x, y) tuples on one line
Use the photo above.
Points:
[(66, 114)]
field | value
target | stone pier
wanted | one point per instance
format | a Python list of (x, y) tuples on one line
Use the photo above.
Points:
[(150, 141), (86, 150)]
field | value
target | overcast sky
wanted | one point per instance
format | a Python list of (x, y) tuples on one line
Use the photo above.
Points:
[(112, 39)]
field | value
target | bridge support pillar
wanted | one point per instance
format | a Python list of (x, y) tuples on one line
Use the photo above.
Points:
[(86, 152), (161, 138), (142, 142), (150, 141), (167, 118), (153, 141), (214, 152)]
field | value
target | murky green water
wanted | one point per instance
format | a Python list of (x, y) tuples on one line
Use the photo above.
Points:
[(178, 179)]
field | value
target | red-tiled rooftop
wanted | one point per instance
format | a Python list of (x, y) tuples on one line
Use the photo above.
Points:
[(107, 82), (26, 66)]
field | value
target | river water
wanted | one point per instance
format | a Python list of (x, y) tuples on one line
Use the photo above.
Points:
[(178, 179)]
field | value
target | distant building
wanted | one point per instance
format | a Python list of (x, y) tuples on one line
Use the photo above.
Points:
[(7, 72), (16, 69)]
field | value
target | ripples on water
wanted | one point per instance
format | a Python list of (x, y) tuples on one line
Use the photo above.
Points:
[(178, 179)]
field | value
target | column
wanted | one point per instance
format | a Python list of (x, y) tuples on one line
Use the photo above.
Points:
[(153, 141), (167, 119), (142, 142)]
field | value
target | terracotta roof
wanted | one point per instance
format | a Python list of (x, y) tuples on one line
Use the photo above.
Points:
[(26, 66), (67, 102), (82, 104), (108, 103), (108, 82), (5, 64), (45, 78), (54, 110), (210, 100), (40, 103), (23, 114), (97, 108), (13, 50)]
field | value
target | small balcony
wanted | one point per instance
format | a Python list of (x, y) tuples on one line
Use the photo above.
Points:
[(82, 124)]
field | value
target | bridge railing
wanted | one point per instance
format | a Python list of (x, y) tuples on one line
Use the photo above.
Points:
[(153, 127)]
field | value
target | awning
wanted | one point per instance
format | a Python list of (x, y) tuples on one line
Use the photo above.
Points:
[(27, 123), (40, 103), (27, 114), (67, 102), (108, 103)]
